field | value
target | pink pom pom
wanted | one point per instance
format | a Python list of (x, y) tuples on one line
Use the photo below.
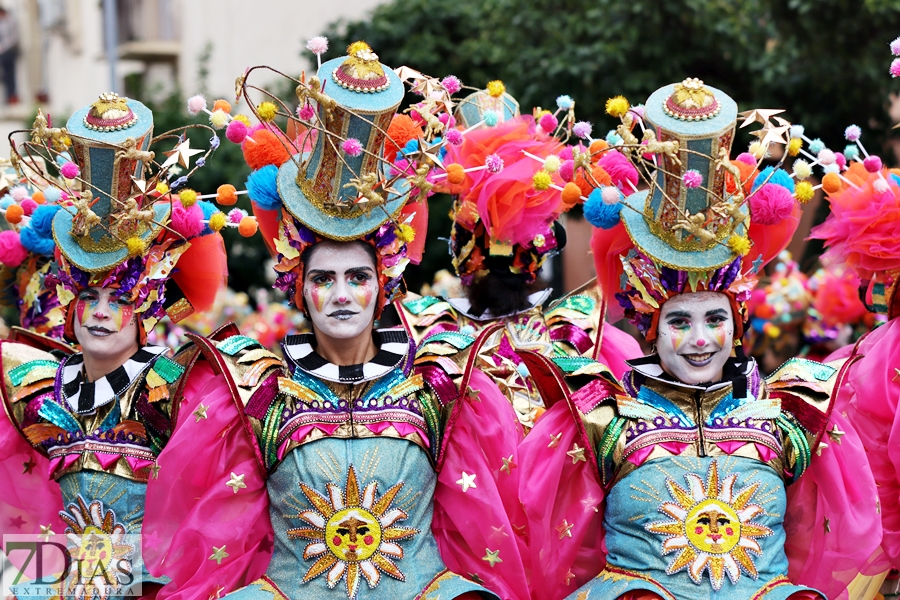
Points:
[(567, 170), (826, 157), (447, 119), (416, 117), (852, 133), (895, 47), (548, 123), (454, 137), (187, 221), (70, 170), (747, 158), (566, 153), (28, 205), (771, 204), (872, 164), (12, 252), (18, 193), (895, 67), (236, 131), (840, 160), (610, 195), (318, 45), (494, 163), (306, 112), (582, 129), (452, 84), (196, 104), (638, 110), (352, 147), (620, 170), (692, 178), (235, 215)]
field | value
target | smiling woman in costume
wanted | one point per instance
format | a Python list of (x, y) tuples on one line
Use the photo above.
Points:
[(700, 477), (96, 420), (350, 474)]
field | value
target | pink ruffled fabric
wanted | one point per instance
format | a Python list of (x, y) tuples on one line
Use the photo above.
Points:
[(615, 348), (556, 493), (190, 510), (870, 397), (839, 487), (468, 524)]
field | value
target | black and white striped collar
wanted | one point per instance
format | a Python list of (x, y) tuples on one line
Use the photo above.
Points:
[(393, 350), (85, 397)]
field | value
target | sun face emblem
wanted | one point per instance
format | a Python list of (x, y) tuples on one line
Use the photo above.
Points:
[(712, 528), (352, 533)]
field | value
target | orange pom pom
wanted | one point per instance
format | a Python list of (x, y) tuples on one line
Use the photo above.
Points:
[(225, 194), (265, 149), (401, 130), (598, 177), (597, 148), (14, 213), (38, 197), (571, 195), (222, 105), (455, 174), (748, 174), (831, 183), (248, 227)]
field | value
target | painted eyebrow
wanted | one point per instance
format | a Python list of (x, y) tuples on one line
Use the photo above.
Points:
[(716, 311), (682, 314), (321, 272), (359, 270)]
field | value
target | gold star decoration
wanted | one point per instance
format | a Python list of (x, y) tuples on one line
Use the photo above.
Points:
[(759, 115), (590, 503), (200, 413), (492, 557), (236, 482), (46, 532), (564, 529), (474, 577), (835, 434), (554, 440), (519, 529), (425, 154), (878, 507), (467, 481), (820, 447), (219, 554), (180, 155), (773, 135), (576, 453), (508, 465), (154, 471), (216, 593), (827, 525), (569, 576), (28, 466), (896, 374), (498, 532), (473, 395)]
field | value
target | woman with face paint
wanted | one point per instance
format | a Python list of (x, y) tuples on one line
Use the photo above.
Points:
[(505, 226), (349, 471), (81, 431), (693, 476)]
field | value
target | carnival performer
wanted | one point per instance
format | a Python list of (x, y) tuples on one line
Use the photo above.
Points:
[(349, 471), (80, 433), (695, 477), (509, 196)]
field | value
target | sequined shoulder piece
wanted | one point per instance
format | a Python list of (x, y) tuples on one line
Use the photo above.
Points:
[(425, 315), (574, 321), (29, 376)]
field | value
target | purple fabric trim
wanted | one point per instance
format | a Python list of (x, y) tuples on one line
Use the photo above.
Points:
[(150, 415), (262, 398), (441, 383), (576, 336)]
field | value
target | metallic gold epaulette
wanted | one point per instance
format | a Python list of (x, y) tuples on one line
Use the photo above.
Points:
[(575, 321), (420, 314)]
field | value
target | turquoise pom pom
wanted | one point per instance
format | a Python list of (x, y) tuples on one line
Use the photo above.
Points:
[(779, 177), (262, 186), (851, 151), (816, 146), (6, 201), (53, 195), (599, 213), (490, 118), (613, 138)]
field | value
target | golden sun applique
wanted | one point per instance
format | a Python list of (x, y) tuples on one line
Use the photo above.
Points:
[(712, 528), (353, 533)]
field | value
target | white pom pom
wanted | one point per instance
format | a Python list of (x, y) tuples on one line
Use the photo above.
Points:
[(832, 168), (219, 119), (826, 157), (797, 131), (881, 186), (196, 104), (802, 169), (318, 45), (552, 163), (18, 193), (610, 195)]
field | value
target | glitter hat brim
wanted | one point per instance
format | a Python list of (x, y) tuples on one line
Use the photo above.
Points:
[(96, 262), (333, 227), (664, 254)]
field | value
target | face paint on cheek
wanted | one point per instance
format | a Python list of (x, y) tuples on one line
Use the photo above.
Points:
[(120, 315), (678, 335), (362, 292), (719, 333), (318, 292), (83, 309)]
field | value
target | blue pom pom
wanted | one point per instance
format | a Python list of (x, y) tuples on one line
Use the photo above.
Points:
[(6, 201), (262, 186), (599, 213), (35, 242), (613, 138), (42, 219), (851, 151), (209, 209), (490, 118), (816, 146), (53, 194), (410, 147), (779, 177), (565, 102)]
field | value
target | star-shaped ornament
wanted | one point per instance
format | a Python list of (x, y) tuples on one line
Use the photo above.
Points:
[(519, 529), (569, 576), (46, 532), (896, 374), (473, 395), (200, 413), (28, 466), (219, 554), (820, 447), (757, 264), (492, 557), (826, 525), (474, 577), (467, 481), (425, 153), (759, 115), (773, 135), (180, 155), (554, 440), (836, 434), (216, 593), (236, 482), (498, 532), (576, 453), (564, 529), (154, 471), (508, 465), (17, 522)]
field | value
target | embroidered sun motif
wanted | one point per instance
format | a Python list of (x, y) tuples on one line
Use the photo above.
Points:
[(352, 533), (712, 528)]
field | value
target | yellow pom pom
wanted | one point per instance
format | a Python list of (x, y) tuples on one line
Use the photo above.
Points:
[(774, 331), (739, 244), (219, 119), (794, 146), (757, 150), (162, 189), (804, 192), (217, 221), (136, 246), (541, 181), (188, 198), (405, 233), (356, 47), (496, 88), (617, 107), (267, 111), (552, 163), (243, 119)]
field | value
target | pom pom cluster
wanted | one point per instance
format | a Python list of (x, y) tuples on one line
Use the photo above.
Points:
[(352, 147), (496, 88), (617, 106), (599, 213), (692, 178), (452, 84)]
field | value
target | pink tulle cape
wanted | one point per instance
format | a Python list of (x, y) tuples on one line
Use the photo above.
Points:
[(615, 348)]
